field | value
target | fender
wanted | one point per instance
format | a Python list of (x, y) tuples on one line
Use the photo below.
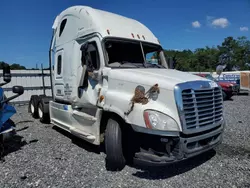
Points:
[(7, 112)]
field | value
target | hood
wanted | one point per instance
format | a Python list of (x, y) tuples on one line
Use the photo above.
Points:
[(226, 84), (166, 78)]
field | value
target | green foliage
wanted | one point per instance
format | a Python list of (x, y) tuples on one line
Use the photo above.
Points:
[(13, 66), (233, 52), (17, 67), (2, 64)]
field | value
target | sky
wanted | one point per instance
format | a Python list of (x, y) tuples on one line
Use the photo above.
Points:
[(26, 25)]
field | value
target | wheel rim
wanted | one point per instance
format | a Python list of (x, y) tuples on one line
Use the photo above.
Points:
[(32, 108), (40, 112)]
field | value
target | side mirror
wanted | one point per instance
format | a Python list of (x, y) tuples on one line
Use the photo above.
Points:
[(96, 75), (6, 73), (18, 90)]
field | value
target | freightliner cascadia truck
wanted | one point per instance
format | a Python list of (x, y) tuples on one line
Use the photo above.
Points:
[(112, 86)]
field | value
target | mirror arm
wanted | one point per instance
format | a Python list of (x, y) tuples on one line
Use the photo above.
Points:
[(10, 98), (96, 75), (2, 84)]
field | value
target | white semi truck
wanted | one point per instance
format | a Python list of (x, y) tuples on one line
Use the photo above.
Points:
[(111, 85)]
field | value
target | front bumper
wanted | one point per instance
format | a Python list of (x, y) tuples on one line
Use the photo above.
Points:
[(182, 147), (232, 90), (7, 134)]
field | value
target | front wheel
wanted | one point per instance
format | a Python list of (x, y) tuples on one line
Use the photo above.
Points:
[(115, 160)]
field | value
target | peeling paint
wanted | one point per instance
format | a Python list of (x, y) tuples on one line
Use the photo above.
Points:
[(141, 97), (98, 96)]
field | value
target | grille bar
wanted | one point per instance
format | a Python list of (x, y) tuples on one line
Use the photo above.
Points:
[(202, 107)]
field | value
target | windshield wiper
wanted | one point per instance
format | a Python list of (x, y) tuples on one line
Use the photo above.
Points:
[(126, 62), (159, 66)]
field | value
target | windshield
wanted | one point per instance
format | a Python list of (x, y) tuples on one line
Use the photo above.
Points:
[(134, 54), (210, 77)]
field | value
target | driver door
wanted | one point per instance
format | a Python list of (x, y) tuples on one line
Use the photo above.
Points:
[(86, 111)]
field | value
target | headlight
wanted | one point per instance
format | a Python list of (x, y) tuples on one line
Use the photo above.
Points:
[(160, 121)]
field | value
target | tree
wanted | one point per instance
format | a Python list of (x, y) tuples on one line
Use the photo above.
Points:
[(17, 67), (13, 66), (234, 53)]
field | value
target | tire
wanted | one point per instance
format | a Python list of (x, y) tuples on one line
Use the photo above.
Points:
[(115, 160), (224, 95), (11, 122), (29, 106), (44, 117), (1, 148), (4, 137), (9, 135), (33, 106)]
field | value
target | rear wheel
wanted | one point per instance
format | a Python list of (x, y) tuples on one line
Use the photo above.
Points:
[(43, 116), (115, 160), (33, 106)]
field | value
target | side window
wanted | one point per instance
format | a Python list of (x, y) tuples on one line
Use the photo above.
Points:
[(62, 26), (92, 58), (59, 64)]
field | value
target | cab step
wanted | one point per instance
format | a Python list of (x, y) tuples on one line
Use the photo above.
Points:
[(83, 135)]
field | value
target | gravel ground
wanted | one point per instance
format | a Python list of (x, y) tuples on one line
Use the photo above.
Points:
[(45, 156)]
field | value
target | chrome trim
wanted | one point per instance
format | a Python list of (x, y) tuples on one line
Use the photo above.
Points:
[(212, 115), (140, 129), (189, 152)]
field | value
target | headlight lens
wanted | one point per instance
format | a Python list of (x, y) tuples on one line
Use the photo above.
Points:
[(160, 121)]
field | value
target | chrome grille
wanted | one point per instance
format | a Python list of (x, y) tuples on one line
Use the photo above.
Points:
[(201, 107)]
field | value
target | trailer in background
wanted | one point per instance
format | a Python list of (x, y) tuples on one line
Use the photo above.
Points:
[(245, 80), (230, 77), (239, 77)]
